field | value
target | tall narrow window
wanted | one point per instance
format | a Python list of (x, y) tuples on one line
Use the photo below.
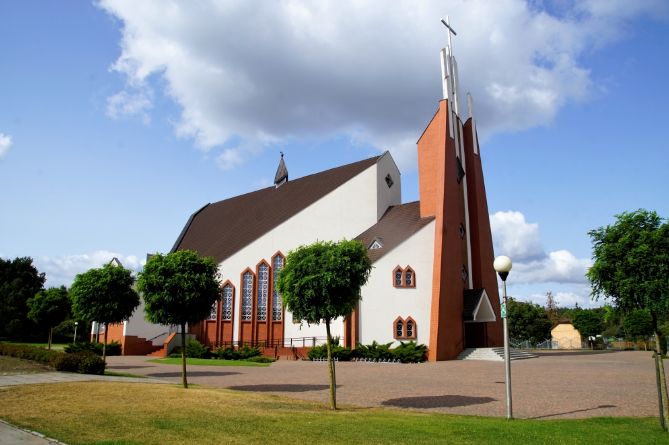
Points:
[(408, 278), (247, 295), (399, 329), (226, 310), (397, 277), (212, 312), (277, 308), (263, 286), (410, 329)]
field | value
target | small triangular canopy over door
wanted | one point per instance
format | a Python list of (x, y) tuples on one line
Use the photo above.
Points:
[(477, 307)]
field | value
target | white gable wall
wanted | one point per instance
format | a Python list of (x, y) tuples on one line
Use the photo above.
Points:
[(387, 196), (343, 213), (382, 303)]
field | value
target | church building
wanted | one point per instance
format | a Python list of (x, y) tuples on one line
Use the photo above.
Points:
[(432, 279)]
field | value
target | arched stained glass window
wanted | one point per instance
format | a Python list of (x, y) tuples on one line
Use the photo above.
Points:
[(226, 310), (399, 329), (212, 313), (277, 308), (247, 295), (263, 289)]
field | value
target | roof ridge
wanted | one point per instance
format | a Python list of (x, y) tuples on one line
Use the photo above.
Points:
[(297, 180)]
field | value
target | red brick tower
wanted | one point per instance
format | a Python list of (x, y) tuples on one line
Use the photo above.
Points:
[(465, 300)]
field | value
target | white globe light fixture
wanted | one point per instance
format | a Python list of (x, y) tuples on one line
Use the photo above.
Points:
[(502, 265)]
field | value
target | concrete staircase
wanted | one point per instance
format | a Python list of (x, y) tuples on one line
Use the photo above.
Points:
[(493, 354)]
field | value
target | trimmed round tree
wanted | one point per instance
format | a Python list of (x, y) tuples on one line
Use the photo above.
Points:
[(179, 288), (104, 295), (321, 282), (631, 267), (50, 307)]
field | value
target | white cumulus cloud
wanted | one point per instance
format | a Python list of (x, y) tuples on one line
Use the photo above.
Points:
[(560, 266), (5, 144), (61, 270), (265, 71), (515, 237)]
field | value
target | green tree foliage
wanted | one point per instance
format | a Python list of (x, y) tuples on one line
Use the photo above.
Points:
[(321, 282), (105, 295), (638, 325), (179, 288), (49, 308), (631, 262), (19, 281), (528, 321), (631, 267), (589, 323)]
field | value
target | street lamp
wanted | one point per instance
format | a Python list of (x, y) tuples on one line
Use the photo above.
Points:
[(76, 323), (503, 265)]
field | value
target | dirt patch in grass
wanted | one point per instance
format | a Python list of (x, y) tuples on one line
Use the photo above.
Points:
[(138, 413), (12, 365)]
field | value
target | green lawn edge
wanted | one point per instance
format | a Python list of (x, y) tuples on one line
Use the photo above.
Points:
[(147, 414)]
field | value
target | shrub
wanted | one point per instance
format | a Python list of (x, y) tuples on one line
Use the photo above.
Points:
[(410, 352), (375, 351), (260, 359), (195, 349), (91, 364), (69, 362), (79, 347), (27, 352), (83, 362), (113, 348), (246, 352), (338, 352), (228, 353), (242, 353)]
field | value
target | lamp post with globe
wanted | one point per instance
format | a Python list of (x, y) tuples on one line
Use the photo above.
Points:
[(503, 265)]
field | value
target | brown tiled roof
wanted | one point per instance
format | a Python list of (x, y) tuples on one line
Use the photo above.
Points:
[(396, 225), (223, 228)]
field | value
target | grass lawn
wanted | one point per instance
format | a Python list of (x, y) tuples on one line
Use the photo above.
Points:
[(138, 413), (12, 365), (206, 362)]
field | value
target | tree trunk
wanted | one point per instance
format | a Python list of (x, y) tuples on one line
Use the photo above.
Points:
[(331, 368), (662, 381), (183, 355), (104, 345)]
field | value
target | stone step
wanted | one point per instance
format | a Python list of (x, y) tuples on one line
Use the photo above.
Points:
[(493, 354)]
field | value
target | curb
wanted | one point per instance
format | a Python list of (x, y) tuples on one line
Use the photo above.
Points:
[(34, 433)]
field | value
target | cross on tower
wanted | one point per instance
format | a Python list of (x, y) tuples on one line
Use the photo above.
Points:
[(449, 69)]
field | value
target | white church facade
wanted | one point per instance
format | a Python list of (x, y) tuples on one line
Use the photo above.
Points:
[(432, 279)]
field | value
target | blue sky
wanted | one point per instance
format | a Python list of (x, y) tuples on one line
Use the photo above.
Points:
[(119, 119)]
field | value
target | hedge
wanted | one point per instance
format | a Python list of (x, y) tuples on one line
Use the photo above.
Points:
[(83, 362)]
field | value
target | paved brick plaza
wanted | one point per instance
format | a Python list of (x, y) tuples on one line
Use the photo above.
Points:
[(555, 385)]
